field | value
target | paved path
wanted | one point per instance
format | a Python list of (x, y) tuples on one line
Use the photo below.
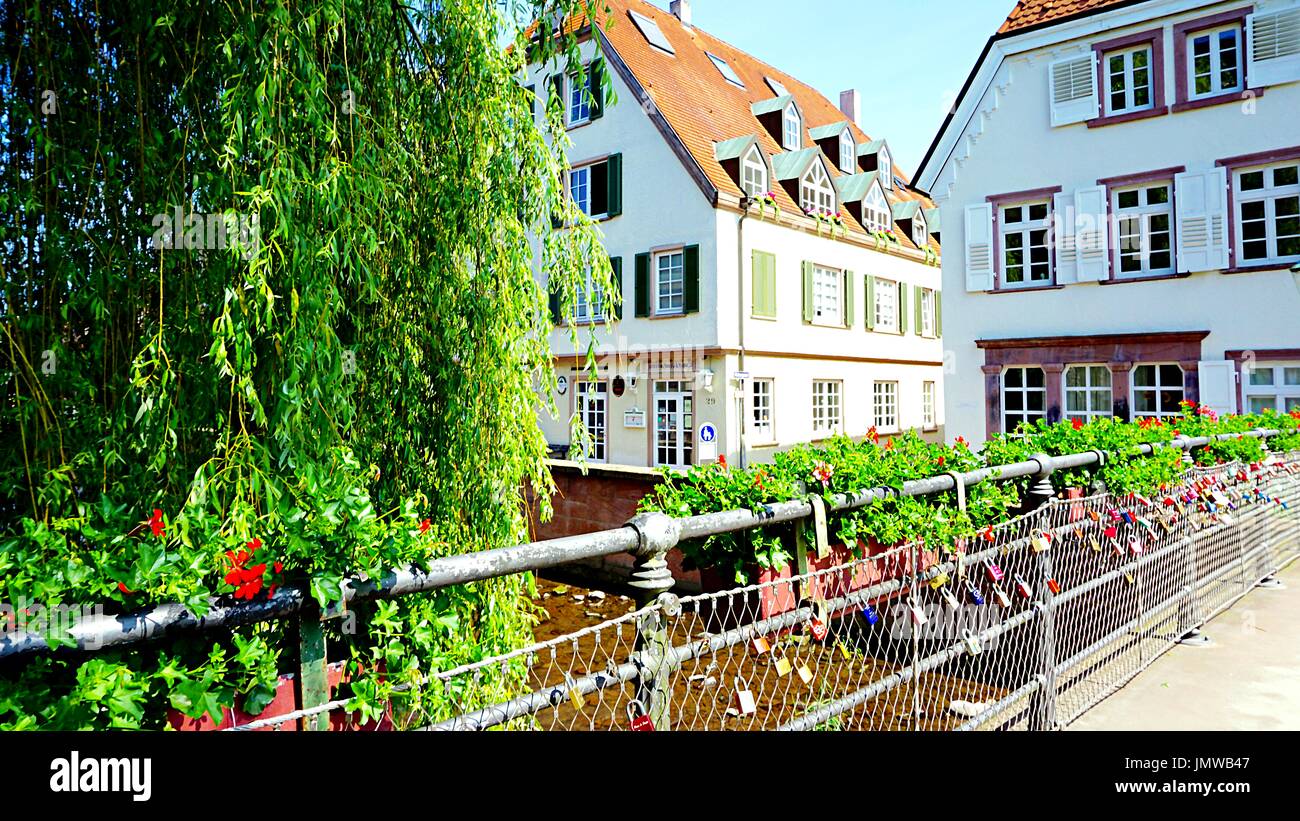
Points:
[(1248, 680)]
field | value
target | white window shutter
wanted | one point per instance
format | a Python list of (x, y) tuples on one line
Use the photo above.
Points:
[(1072, 83), (1201, 199), (979, 247), (1067, 263), (1090, 234), (1273, 47), (1218, 381)]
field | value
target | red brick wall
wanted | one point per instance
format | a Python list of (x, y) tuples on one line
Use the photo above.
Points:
[(603, 499)]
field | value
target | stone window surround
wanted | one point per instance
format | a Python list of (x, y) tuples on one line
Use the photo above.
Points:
[(1119, 352)]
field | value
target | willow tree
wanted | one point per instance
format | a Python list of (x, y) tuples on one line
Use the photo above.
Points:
[(271, 315)]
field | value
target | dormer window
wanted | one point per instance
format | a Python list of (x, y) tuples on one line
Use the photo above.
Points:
[(886, 168), (792, 128), (918, 231), (815, 191), (753, 173), (848, 152), (875, 211)]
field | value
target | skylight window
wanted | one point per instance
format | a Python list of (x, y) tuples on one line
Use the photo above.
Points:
[(725, 67), (777, 89), (650, 30)]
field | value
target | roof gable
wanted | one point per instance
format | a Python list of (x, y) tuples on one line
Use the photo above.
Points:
[(792, 164), (1029, 13), (855, 187)]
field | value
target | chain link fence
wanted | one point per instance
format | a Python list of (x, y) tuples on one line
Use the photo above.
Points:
[(1027, 626)]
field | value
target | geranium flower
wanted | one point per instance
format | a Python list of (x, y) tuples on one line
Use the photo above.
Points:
[(722, 460), (941, 461), (155, 522), (889, 444), (823, 472), (872, 435), (424, 526), (961, 440), (1077, 423)]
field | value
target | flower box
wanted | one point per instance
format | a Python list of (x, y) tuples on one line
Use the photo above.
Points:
[(284, 702)]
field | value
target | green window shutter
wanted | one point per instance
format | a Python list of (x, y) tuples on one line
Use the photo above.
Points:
[(763, 277), (807, 293), (595, 83), (616, 263), (902, 308), (614, 185), (691, 273), (553, 298), (870, 288), (849, 299), (557, 88), (642, 284), (532, 100), (938, 314), (918, 294)]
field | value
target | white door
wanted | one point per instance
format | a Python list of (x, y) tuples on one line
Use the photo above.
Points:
[(592, 410), (674, 424)]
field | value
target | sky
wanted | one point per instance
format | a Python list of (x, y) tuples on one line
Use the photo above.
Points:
[(907, 58)]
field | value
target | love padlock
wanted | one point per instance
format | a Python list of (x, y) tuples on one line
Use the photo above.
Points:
[(939, 580), (869, 613), (972, 643), (1001, 596), (760, 645), (817, 628), (1116, 516), (1053, 586), (745, 698), (1022, 587), (949, 599), (976, 597), (1117, 548), (1128, 517), (1094, 515), (805, 673), (1110, 532), (637, 719), (783, 666), (1136, 546), (1041, 542), (1096, 545), (918, 615), (994, 572)]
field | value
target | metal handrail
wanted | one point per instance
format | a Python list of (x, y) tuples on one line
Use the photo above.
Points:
[(646, 535)]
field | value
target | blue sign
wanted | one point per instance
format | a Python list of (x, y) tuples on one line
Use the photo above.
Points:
[(708, 432)]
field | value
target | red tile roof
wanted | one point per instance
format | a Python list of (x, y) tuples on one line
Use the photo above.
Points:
[(703, 108), (1036, 12)]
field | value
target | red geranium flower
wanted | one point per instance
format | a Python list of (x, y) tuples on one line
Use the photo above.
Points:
[(155, 522), (424, 526), (942, 461), (722, 460), (961, 440), (1077, 423), (255, 544), (872, 435)]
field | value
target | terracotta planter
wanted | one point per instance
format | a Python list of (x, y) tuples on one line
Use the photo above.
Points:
[(284, 702), (782, 596)]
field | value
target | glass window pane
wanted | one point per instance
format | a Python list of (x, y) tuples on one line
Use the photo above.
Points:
[(1014, 378), (1038, 212), (1158, 195), (1259, 404), (1252, 181), (1034, 377), (1285, 176), (1171, 375), (1128, 199), (1261, 376), (1291, 376), (1076, 377), (1012, 215), (1144, 375)]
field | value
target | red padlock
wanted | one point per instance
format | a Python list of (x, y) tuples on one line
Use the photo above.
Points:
[(818, 628), (639, 723), (1023, 588), (994, 572), (1053, 586), (1111, 532)]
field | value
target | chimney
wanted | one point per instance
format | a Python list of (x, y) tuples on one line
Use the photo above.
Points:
[(681, 9), (850, 105)]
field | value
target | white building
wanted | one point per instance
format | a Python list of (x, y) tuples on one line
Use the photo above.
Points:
[(1120, 181), (793, 326)]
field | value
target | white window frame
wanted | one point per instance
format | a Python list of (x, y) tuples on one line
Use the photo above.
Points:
[(762, 402), (753, 173), (673, 300), (885, 165), (1143, 215), (927, 313), (1284, 387), (1090, 387), (1129, 73), (928, 396), (588, 391), (1024, 228), (1271, 195), (875, 210), (681, 439), (586, 310), (827, 407), (918, 231), (828, 296), (1024, 390), (791, 128), (886, 306), (583, 201), (815, 190), (578, 110), (1216, 61), (884, 406), (848, 152), (1156, 389)]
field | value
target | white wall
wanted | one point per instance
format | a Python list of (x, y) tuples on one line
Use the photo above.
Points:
[(1019, 150)]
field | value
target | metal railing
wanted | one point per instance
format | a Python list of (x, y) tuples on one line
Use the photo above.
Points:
[(800, 647)]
